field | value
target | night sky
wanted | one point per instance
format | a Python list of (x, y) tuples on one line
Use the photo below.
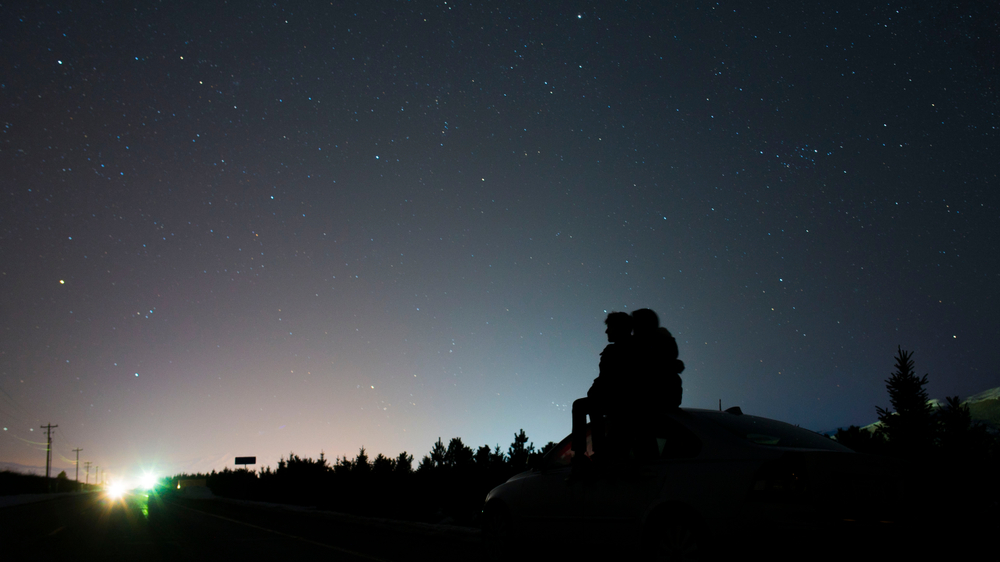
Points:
[(256, 228)]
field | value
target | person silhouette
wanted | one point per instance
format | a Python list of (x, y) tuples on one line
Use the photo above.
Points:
[(658, 370), (654, 384), (608, 390)]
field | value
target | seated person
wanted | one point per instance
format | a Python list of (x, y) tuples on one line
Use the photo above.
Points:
[(605, 395), (657, 375)]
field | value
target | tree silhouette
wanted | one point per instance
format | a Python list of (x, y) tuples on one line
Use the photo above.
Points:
[(404, 463), (438, 453), (343, 466), (909, 426), (482, 458), (449, 484), (519, 451), (861, 440), (497, 457), (426, 465), (458, 454), (958, 436), (383, 465), (361, 464), (535, 458)]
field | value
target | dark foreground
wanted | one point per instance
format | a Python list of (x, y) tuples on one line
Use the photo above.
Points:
[(139, 527), (90, 526)]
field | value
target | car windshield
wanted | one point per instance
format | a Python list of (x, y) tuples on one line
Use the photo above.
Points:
[(763, 431)]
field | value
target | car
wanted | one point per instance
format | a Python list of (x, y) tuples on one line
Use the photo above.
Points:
[(687, 481)]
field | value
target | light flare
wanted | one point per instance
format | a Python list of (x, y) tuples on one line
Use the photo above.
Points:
[(116, 490)]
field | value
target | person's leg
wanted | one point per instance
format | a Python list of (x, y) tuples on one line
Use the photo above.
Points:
[(598, 432), (580, 411)]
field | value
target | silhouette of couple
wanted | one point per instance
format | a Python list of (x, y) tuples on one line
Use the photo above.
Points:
[(639, 377)]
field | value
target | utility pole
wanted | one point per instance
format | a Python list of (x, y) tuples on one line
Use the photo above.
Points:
[(87, 465), (77, 451), (48, 453), (97, 476)]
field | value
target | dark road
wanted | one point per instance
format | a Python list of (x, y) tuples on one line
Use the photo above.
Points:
[(141, 527)]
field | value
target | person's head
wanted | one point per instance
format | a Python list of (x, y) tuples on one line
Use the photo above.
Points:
[(619, 326), (645, 321)]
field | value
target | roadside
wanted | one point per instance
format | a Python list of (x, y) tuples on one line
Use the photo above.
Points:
[(21, 499), (381, 538)]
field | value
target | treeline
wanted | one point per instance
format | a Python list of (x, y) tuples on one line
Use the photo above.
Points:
[(14, 483), (447, 485), (945, 453), (947, 458), (912, 429)]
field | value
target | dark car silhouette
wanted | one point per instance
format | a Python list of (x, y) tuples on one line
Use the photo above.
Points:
[(691, 481)]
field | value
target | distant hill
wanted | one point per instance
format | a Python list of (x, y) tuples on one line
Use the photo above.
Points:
[(983, 406)]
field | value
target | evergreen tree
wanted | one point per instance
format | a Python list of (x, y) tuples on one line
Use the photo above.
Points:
[(426, 465), (438, 453), (458, 454), (383, 465), (343, 466), (909, 426), (497, 457), (519, 451), (535, 458), (404, 463), (958, 436), (860, 440), (482, 457), (361, 464)]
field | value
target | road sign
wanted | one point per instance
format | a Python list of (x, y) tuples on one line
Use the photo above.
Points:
[(246, 460)]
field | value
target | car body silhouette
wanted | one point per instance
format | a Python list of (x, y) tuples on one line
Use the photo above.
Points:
[(689, 482)]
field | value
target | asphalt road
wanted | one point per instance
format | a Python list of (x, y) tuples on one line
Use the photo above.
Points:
[(139, 527)]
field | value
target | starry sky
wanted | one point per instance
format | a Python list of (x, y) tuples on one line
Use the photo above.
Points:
[(253, 228)]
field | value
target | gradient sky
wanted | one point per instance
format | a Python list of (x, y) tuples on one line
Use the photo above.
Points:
[(255, 228)]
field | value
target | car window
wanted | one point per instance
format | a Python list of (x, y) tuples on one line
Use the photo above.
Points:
[(763, 431)]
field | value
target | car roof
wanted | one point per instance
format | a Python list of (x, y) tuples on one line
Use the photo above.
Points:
[(758, 431)]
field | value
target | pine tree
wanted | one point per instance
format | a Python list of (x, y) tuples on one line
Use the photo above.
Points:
[(519, 451), (438, 453), (458, 455), (404, 463), (909, 426), (860, 440), (498, 460), (482, 458), (361, 463), (383, 465), (958, 436)]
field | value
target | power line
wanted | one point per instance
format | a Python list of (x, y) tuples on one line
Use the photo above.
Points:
[(69, 438), (77, 464), (48, 453), (20, 410)]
